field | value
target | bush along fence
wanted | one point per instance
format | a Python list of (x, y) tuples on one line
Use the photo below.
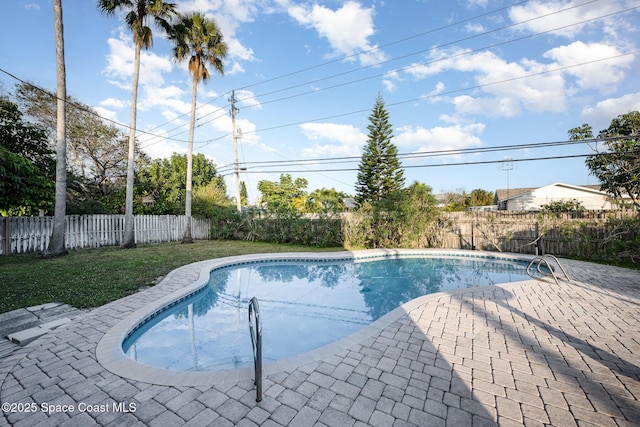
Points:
[(612, 236), (32, 234)]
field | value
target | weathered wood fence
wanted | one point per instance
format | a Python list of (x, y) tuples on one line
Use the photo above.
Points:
[(32, 234), (528, 232)]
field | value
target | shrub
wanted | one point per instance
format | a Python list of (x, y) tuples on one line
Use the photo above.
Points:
[(282, 225), (564, 206)]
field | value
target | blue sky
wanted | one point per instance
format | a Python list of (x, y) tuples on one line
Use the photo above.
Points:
[(455, 75)]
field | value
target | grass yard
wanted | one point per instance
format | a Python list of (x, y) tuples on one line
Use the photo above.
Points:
[(88, 278)]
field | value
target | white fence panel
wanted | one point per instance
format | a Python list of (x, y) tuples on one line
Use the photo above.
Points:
[(32, 234)]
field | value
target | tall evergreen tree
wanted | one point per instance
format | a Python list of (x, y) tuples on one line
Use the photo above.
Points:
[(244, 196), (380, 174)]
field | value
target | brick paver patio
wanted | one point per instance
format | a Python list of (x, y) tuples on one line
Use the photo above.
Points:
[(532, 353)]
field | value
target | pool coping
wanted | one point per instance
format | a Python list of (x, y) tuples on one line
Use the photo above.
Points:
[(109, 351)]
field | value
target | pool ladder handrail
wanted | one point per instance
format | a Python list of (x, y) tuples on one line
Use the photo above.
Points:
[(256, 342), (543, 260)]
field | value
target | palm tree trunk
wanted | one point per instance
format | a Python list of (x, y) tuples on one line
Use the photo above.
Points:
[(56, 245), (186, 237), (129, 240)]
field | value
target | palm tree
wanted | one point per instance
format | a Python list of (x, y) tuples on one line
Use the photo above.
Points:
[(200, 40), (139, 12), (56, 245)]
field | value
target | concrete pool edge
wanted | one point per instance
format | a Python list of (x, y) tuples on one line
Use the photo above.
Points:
[(109, 351)]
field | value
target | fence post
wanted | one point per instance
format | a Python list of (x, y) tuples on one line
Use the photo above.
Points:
[(7, 235)]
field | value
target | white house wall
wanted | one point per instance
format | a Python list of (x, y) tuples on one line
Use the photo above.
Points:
[(555, 193)]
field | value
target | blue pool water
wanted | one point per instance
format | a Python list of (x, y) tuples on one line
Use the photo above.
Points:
[(304, 305)]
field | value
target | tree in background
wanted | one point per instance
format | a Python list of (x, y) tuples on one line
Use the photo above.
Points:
[(95, 148), (454, 200), (380, 174), (56, 245), (244, 196), (162, 183), (200, 40), (210, 197), (96, 151), (324, 200), (618, 168), (407, 219), (27, 164), (139, 12), (479, 197), (282, 194)]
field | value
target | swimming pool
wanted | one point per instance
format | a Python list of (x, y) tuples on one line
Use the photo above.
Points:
[(305, 304)]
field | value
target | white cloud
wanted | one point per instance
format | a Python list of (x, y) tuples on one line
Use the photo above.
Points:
[(247, 99), (552, 17), (477, 3), (600, 115), (348, 140), (114, 103), (475, 28), (347, 29), (433, 95), (508, 92), (235, 68), (229, 15), (168, 96), (164, 149), (454, 137), (390, 80), (503, 107), (120, 59), (32, 6), (107, 114), (597, 75)]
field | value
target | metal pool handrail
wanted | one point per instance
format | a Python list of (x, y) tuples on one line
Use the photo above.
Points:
[(541, 260), (256, 342)]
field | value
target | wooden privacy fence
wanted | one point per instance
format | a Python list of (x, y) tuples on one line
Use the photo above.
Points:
[(32, 234), (531, 233)]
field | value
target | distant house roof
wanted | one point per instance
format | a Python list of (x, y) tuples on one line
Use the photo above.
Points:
[(349, 203), (505, 194)]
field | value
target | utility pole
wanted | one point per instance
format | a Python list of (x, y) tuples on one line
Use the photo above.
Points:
[(507, 165), (236, 169)]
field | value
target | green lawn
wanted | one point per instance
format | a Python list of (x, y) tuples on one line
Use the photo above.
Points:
[(93, 277)]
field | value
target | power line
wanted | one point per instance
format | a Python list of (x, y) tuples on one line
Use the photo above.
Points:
[(466, 89), (433, 165), (434, 48), (345, 57), (146, 143), (415, 155), (86, 109), (152, 135)]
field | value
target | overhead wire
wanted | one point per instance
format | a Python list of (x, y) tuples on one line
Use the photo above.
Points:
[(342, 58), (466, 52), (353, 55), (414, 155), (86, 109), (433, 165), (465, 89), (152, 135), (172, 137), (484, 33), (201, 123)]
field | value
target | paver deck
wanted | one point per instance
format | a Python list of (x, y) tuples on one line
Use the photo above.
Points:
[(531, 353)]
